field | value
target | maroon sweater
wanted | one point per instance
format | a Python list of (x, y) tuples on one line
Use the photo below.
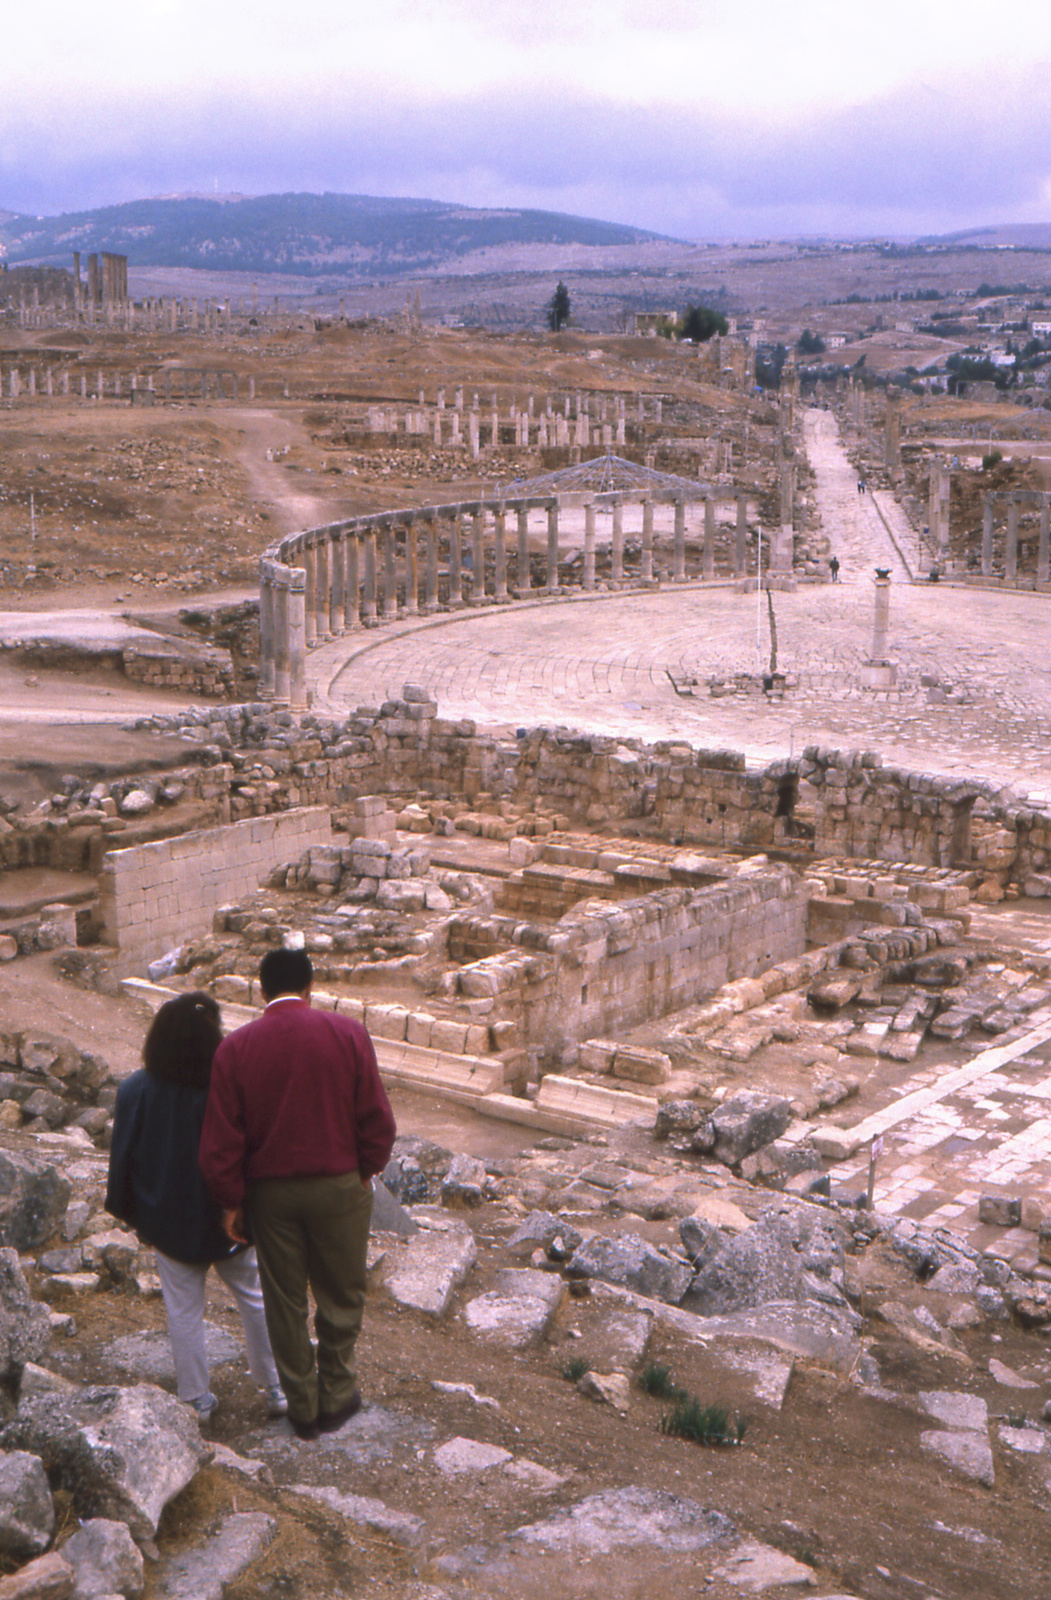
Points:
[(294, 1094)]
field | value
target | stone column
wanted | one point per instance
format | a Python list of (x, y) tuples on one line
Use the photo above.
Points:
[(323, 592), (478, 557), (297, 651), (500, 543), (337, 563), (412, 569), (741, 537), (617, 542), (267, 674), (310, 594), (987, 537), (1011, 553), (880, 621), (281, 654), (456, 561), (368, 612), (351, 581), (589, 544), (430, 600), (679, 569), (524, 579), (390, 576), (1042, 575), (708, 560), (552, 547), (647, 540)]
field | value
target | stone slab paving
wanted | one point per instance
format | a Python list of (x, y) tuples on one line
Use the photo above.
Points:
[(605, 662)]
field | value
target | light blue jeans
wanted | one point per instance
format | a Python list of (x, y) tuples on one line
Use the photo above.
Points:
[(182, 1285)]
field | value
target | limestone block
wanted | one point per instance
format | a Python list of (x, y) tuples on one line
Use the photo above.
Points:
[(596, 1055), (387, 1021), (429, 1269), (47, 1578), (999, 1210), (449, 1035), (641, 1065), (419, 1029), (27, 1515)]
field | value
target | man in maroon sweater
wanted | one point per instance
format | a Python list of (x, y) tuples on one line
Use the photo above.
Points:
[(297, 1123)]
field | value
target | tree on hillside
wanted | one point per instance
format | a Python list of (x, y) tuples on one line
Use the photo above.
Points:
[(700, 323), (558, 309), (810, 344)]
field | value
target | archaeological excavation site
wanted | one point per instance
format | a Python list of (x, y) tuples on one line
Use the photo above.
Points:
[(655, 760)]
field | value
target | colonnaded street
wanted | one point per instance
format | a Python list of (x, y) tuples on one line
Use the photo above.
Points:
[(974, 669)]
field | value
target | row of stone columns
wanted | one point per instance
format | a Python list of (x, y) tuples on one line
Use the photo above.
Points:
[(346, 576), (16, 384), (1014, 508)]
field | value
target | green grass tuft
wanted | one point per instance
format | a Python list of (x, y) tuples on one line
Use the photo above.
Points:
[(689, 1419), (575, 1369), (657, 1380)]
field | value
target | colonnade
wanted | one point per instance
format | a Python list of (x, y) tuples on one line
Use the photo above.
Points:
[(1016, 500), (318, 584)]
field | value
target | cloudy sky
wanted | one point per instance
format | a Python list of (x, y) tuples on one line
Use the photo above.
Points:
[(698, 118)]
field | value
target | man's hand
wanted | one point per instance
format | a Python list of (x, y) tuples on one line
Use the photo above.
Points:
[(234, 1225)]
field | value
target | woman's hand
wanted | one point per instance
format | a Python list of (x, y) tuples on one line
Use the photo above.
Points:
[(234, 1225)]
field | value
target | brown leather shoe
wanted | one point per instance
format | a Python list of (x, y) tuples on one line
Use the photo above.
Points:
[(329, 1421), (305, 1430)]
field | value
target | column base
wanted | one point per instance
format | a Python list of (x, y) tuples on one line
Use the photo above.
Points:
[(879, 675)]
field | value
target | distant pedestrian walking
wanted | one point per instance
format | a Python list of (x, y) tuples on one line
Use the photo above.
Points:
[(833, 567)]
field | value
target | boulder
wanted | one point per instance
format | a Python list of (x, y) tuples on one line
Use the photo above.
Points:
[(629, 1260), (46, 1578), (781, 1257), (463, 1187), (122, 1453), (629, 1518), (105, 1559), (748, 1121), (33, 1200), (25, 1325), (542, 1230), (607, 1388), (27, 1515)]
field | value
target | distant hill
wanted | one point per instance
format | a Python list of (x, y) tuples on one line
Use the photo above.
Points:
[(1007, 236), (306, 234)]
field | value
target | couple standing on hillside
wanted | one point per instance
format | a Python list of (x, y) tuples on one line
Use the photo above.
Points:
[(270, 1135)]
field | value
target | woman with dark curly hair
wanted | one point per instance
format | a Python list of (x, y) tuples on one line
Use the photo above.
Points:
[(155, 1185)]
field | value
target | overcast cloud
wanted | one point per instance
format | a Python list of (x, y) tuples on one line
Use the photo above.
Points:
[(699, 118)]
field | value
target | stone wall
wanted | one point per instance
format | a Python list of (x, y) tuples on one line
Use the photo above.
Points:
[(156, 896), (605, 969), (256, 761)]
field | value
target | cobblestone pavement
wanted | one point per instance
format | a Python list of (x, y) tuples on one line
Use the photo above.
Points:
[(606, 662)]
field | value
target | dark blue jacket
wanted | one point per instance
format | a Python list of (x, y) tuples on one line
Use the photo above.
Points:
[(155, 1183)]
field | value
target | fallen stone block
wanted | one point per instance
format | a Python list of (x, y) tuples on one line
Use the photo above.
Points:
[(25, 1325), (955, 1408), (755, 1567), (968, 1454), (519, 1310), (431, 1267), (122, 1453), (27, 1514), (463, 1187), (105, 1559), (33, 1200), (205, 1572), (364, 1512), (629, 1518), (543, 1230), (46, 1578), (748, 1121), (462, 1455), (631, 1261), (999, 1210)]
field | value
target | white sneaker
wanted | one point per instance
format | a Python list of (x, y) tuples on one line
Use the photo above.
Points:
[(204, 1405), (276, 1404)]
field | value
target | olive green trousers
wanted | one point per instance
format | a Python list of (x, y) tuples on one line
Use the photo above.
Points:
[(312, 1233)]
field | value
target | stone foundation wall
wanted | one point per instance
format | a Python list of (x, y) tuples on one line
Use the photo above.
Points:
[(156, 896), (255, 762), (601, 971)]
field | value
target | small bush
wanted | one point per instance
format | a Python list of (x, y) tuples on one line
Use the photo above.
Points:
[(992, 458), (689, 1419), (656, 1379), (575, 1369)]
